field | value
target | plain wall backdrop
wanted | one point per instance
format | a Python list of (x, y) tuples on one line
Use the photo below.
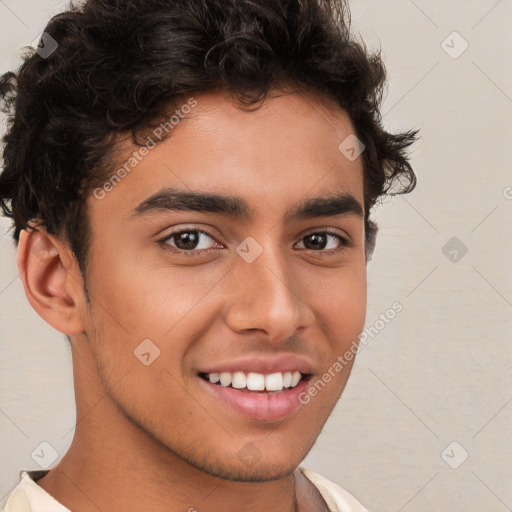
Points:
[(424, 423)]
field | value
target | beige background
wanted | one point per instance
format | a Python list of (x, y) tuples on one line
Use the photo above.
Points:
[(441, 371)]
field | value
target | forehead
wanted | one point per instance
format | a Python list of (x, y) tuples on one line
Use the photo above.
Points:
[(287, 147)]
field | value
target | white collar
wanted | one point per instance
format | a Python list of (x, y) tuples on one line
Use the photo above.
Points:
[(28, 496)]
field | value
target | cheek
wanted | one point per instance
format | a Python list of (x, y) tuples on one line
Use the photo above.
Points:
[(340, 309), (147, 299), (147, 313), (340, 304)]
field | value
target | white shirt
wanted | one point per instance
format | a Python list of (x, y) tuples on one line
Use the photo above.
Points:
[(27, 496)]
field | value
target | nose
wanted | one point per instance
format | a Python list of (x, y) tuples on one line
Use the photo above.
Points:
[(266, 297)]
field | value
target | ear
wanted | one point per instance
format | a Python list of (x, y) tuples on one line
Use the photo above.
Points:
[(371, 239), (52, 281)]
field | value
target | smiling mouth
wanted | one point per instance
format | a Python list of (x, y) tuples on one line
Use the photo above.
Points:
[(252, 382)]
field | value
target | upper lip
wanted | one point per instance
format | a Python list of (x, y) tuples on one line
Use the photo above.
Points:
[(263, 364)]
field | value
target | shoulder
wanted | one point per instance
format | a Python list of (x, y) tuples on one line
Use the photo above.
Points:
[(337, 498)]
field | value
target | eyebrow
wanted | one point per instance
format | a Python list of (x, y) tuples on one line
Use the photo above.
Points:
[(171, 199)]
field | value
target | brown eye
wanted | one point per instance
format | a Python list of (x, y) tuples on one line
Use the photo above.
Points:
[(323, 241), (189, 240)]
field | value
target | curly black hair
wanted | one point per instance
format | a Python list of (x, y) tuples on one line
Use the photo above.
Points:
[(116, 67)]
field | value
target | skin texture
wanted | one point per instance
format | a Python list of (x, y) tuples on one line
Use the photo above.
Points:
[(149, 437)]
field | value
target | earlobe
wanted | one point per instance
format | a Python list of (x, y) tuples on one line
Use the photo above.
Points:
[(51, 281)]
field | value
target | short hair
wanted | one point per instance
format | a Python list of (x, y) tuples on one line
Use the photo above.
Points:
[(118, 65)]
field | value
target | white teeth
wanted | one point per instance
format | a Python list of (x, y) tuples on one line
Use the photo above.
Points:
[(256, 381), (225, 378), (239, 381), (214, 377), (274, 382)]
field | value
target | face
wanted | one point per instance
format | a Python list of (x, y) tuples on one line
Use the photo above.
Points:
[(233, 250)]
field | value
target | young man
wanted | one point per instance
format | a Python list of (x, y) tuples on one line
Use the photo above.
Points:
[(190, 183)]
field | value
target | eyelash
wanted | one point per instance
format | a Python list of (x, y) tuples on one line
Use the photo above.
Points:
[(345, 243)]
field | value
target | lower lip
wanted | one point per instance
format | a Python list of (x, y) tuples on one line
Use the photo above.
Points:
[(257, 405)]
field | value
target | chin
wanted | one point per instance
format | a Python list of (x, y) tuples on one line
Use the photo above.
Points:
[(261, 474), (258, 471)]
